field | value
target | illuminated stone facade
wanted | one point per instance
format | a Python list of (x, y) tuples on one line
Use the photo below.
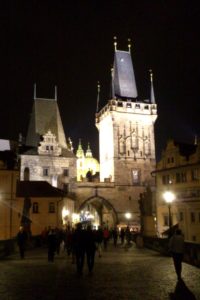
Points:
[(178, 171), (48, 163)]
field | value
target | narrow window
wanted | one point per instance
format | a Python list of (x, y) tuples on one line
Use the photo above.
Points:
[(26, 174), (45, 172), (136, 176), (192, 217), (66, 172), (35, 208), (51, 207)]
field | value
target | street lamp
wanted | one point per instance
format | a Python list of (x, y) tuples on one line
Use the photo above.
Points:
[(169, 198), (128, 216)]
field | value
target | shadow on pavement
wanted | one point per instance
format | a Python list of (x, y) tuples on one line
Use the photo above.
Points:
[(182, 292)]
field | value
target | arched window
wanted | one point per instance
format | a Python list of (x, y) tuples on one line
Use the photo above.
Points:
[(26, 174)]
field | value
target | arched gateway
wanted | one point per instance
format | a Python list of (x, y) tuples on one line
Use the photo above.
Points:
[(98, 211)]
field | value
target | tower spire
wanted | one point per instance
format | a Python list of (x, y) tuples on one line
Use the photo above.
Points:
[(56, 92), (34, 91), (152, 96), (112, 83), (115, 42), (88, 152), (129, 45), (98, 95)]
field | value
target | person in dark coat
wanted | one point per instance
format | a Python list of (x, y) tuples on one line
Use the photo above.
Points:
[(122, 235), (99, 240), (90, 248), (21, 241), (115, 236), (176, 247), (52, 243), (78, 241)]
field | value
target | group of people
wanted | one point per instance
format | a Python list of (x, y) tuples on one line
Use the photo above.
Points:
[(81, 242)]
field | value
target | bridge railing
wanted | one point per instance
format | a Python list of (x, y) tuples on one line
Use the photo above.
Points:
[(8, 247), (191, 253)]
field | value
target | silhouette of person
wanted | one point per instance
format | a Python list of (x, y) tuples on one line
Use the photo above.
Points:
[(99, 240), (176, 247), (79, 247), (89, 175), (21, 241), (51, 242), (90, 247)]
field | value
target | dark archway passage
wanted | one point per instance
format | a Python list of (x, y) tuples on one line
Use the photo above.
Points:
[(99, 211)]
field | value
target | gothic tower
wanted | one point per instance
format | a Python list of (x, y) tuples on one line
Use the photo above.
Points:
[(126, 128)]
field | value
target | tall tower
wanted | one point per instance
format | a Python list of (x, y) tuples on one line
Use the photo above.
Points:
[(126, 128)]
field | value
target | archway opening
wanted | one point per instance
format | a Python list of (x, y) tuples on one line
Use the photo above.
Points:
[(97, 211)]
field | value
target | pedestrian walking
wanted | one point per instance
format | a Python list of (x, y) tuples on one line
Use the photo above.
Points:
[(90, 248), (122, 235), (51, 242), (115, 236), (22, 237), (176, 247), (99, 240), (79, 247), (128, 236), (106, 235)]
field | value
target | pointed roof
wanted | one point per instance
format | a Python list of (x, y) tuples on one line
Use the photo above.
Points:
[(152, 96), (89, 151), (45, 116), (80, 152), (124, 84)]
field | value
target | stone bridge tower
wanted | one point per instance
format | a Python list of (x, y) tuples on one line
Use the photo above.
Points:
[(126, 128)]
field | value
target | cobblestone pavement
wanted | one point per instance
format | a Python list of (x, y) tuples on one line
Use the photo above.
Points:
[(120, 274)]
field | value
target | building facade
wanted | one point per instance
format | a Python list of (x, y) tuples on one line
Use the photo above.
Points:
[(127, 154), (178, 171)]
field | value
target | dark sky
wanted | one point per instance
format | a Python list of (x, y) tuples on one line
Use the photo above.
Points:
[(70, 44)]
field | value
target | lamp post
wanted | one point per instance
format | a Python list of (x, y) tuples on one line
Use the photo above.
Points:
[(169, 198)]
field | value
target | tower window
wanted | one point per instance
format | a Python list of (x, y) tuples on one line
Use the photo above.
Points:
[(119, 104), (45, 171), (26, 174), (66, 172), (136, 176), (128, 105)]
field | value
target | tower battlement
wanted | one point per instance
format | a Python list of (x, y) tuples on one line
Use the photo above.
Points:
[(127, 107)]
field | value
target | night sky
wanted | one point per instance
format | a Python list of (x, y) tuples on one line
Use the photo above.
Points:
[(70, 44)]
